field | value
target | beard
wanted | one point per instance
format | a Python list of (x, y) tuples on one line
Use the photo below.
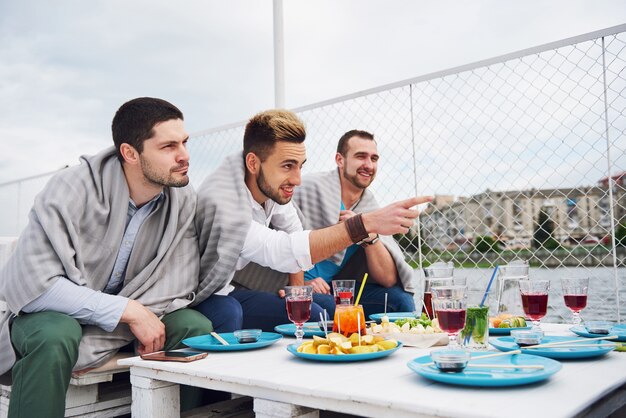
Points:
[(267, 190), (356, 180), (157, 178)]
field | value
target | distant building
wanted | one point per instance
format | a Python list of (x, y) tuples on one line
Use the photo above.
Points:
[(578, 215)]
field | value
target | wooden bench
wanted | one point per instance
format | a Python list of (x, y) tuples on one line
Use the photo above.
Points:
[(101, 392)]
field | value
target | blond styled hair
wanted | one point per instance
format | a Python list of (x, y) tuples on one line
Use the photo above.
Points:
[(270, 126)]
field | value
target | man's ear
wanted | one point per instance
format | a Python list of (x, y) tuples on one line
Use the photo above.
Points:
[(339, 160), (253, 163), (129, 153)]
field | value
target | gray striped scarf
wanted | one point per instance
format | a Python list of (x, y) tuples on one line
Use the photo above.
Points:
[(75, 230), (223, 217), (319, 199)]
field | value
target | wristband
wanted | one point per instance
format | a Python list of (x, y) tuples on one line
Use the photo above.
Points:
[(356, 228)]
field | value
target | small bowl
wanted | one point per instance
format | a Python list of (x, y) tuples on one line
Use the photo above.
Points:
[(245, 336), (329, 325), (598, 327), (525, 337), (450, 361)]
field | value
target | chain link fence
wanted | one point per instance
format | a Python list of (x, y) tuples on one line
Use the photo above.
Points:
[(526, 155)]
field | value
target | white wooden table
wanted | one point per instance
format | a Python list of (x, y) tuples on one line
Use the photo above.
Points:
[(284, 385)]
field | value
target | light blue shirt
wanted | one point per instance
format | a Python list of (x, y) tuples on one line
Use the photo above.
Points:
[(92, 307)]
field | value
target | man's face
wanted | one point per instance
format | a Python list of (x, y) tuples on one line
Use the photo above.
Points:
[(360, 163), (165, 160), (281, 171)]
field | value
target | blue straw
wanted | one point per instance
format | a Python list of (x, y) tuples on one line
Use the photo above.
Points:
[(495, 271)]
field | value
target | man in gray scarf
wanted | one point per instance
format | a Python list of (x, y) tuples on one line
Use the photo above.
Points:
[(109, 257), (334, 196), (245, 215)]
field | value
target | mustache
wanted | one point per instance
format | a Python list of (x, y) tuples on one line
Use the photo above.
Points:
[(181, 167)]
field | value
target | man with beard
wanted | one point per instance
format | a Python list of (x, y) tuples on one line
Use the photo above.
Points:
[(248, 225), (335, 196), (109, 257)]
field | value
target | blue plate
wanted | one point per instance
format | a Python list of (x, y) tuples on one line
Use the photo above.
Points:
[(210, 343), (479, 376), (571, 352), (292, 348), (619, 330), (505, 331), (393, 316), (310, 329)]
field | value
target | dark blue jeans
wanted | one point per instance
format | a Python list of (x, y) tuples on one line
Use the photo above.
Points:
[(225, 312), (266, 310), (373, 300)]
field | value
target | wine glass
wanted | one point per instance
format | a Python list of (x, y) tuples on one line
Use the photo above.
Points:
[(433, 275), (298, 300), (429, 283), (535, 299), (450, 306), (575, 295)]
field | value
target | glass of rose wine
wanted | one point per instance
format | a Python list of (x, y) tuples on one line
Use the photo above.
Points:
[(575, 295), (535, 299), (450, 306), (298, 300)]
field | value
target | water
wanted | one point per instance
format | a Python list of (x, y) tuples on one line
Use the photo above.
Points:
[(601, 302)]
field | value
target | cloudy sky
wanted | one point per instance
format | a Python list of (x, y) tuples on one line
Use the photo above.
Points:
[(65, 66)]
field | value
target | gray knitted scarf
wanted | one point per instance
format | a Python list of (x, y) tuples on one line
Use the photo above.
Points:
[(75, 230)]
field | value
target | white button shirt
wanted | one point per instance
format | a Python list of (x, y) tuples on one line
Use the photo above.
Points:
[(284, 248)]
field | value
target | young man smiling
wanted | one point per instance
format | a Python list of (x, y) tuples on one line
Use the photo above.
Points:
[(335, 196), (245, 215), (109, 257)]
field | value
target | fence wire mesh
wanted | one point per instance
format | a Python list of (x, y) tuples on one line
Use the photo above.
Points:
[(526, 158)]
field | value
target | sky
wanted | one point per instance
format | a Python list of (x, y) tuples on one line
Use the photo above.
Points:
[(67, 65)]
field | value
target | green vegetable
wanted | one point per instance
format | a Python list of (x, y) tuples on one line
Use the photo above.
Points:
[(476, 323), (413, 322), (621, 347)]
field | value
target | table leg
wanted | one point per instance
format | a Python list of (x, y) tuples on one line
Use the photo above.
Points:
[(264, 408), (154, 398)]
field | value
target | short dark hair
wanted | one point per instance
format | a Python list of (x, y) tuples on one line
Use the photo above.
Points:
[(342, 145), (266, 128), (134, 121)]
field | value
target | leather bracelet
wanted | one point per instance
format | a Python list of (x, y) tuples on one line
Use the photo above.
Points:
[(356, 228)]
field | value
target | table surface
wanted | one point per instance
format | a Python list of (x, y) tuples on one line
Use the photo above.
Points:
[(386, 387)]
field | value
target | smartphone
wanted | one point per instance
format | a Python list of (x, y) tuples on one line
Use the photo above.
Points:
[(183, 356)]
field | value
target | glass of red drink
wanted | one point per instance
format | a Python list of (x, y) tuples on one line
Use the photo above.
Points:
[(430, 282), (534, 299), (575, 295), (450, 307), (343, 290), (298, 300)]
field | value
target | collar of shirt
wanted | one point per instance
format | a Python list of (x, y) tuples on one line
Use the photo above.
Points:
[(262, 214), (132, 207)]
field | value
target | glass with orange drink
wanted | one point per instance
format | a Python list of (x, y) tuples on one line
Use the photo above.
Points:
[(349, 319)]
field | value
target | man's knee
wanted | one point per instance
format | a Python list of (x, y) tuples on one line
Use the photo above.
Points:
[(402, 300), (56, 333), (188, 321)]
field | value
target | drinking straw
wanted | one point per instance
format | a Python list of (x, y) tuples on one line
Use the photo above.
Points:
[(582, 340), (325, 324), (358, 324), (358, 297), (385, 303), (495, 271)]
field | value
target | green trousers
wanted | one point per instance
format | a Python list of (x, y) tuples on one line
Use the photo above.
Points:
[(46, 344)]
